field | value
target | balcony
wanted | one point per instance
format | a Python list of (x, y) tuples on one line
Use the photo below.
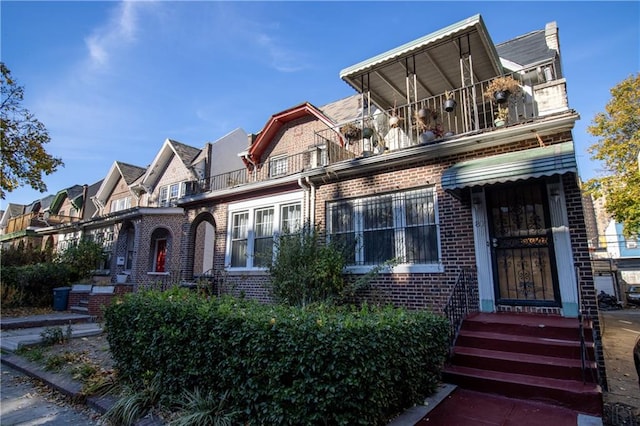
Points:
[(539, 95), (35, 220), (460, 112), (325, 151)]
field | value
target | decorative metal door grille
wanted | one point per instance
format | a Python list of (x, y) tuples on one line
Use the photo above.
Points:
[(522, 246)]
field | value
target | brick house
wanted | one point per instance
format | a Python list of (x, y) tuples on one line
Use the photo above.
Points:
[(485, 183)]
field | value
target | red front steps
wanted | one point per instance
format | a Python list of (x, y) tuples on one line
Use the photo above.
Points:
[(526, 356)]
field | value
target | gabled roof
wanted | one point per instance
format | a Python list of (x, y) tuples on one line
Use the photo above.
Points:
[(90, 208), (275, 123), (527, 49), (169, 148), (74, 193), (224, 152), (12, 210), (128, 172), (344, 110)]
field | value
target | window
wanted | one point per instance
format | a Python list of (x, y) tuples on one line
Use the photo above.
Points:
[(632, 242), (278, 166), (253, 227), (120, 204), (263, 243), (131, 233), (239, 239), (169, 194), (401, 226)]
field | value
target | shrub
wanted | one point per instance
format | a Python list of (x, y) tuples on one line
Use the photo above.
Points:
[(280, 365), (20, 255), (82, 258), (32, 285), (306, 269)]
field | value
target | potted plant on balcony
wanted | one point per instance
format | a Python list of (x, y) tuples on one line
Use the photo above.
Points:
[(500, 88), (350, 131), (428, 125), (450, 102), (502, 117)]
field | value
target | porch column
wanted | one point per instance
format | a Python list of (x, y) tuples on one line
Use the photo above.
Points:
[(562, 244), (483, 252)]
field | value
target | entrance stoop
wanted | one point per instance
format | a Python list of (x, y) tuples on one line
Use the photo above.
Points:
[(525, 356)]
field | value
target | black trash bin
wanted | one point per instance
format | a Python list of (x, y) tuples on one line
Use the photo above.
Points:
[(60, 298)]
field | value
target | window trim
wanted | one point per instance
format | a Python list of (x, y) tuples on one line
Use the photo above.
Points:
[(399, 226), (278, 166), (251, 206), (168, 200)]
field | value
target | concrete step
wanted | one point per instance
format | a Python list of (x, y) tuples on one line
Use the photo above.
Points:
[(586, 398), (547, 326), (61, 318), (523, 344), (522, 363), (12, 340)]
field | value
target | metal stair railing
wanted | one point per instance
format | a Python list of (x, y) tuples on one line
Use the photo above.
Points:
[(463, 300)]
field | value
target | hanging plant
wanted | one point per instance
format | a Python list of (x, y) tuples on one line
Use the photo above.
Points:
[(450, 103), (500, 88), (350, 131)]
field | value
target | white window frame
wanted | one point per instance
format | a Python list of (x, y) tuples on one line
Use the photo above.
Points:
[(156, 244), (399, 223), (278, 166), (169, 194), (250, 207), (120, 204)]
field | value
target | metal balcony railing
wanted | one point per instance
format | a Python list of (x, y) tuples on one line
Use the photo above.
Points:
[(326, 152), (473, 111), (462, 111)]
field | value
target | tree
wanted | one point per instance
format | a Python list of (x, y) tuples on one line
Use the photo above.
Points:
[(24, 158), (618, 130)]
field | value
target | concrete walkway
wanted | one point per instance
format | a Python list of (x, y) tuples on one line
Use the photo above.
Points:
[(18, 332)]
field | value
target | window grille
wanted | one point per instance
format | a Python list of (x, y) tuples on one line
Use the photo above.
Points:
[(402, 226)]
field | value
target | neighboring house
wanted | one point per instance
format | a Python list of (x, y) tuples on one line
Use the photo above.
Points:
[(624, 254), (135, 214), (20, 223)]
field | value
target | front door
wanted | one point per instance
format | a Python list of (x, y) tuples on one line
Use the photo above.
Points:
[(522, 252)]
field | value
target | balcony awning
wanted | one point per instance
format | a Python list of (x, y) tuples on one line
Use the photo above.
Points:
[(510, 167), (434, 59)]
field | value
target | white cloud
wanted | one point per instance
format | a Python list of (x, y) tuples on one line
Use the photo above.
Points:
[(280, 58), (119, 31)]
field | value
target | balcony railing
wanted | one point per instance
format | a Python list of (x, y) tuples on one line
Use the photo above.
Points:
[(539, 94), (35, 220), (434, 119), (327, 151)]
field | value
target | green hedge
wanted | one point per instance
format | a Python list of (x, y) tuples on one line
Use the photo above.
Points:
[(32, 285), (280, 365)]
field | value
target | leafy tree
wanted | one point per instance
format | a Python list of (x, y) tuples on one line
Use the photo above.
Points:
[(618, 130), (24, 158)]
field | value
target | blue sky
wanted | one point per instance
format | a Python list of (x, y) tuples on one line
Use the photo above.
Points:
[(111, 80)]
